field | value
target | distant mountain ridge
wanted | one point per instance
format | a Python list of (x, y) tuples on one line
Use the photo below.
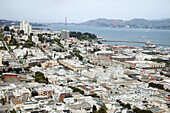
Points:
[(4, 22), (134, 23), (103, 22)]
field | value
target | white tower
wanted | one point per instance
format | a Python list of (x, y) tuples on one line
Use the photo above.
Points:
[(26, 27)]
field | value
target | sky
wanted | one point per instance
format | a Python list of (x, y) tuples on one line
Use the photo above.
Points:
[(53, 11)]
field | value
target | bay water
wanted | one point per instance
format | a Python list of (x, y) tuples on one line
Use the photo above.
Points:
[(154, 36)]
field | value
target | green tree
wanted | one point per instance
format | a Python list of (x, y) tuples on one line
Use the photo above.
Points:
[(6, 63), (26, 69), (93, 95), (12, 31), (2, 78), (6, 28), (31, 34), (40, 38), (39, 77), (138, 110), (34, 93), (39, 65), (75, 89), (15, 42), (76, 51), (3, 101), (161, 73), (10, 69), (21, 32), (102, 110), (39, 73), (70, 45), (127, 106), (13, 111), (83, 36), (17, 70), (159, 86), (94, 108)]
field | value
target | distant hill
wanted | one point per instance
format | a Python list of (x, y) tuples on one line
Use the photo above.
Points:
[(103, 22), (134, 23), (4, 22)]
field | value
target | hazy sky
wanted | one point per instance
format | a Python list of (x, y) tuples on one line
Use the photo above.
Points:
[(82, 10)]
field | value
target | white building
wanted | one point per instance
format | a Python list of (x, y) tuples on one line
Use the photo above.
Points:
[(0, 58), (35, 39), (144, 64), (26, 27), (1, 44), (64, 34)]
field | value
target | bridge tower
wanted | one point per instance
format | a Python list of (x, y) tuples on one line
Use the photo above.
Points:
[(65, 21)]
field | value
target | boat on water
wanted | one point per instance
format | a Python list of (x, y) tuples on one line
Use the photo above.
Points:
[(149, 46)]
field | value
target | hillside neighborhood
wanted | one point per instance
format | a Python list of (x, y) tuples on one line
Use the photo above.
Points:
[(46, 71)]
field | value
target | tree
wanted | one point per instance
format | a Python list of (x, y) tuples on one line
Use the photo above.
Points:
[(12, 31), (3, 101), (39, 77), (39, 73), (31, 34), (34, 93), (6, 28), (138, 110), (70, 45), (40, 38), (10, 69), (5, 63), (102, 110), (2, 78), (127, 106), (94, 108), (18, 32), (159, 86), (22, 32), (94, 95), (39, 65), (13, 111), (161, 73), (3, 70), (75, 89), (17, 70), (83, 36), (15, 42)]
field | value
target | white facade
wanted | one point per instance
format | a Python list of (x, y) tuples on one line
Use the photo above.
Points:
[(26, 27), (64, 34), (0, 58), (1, 44), (35, 39), (144, 64)]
